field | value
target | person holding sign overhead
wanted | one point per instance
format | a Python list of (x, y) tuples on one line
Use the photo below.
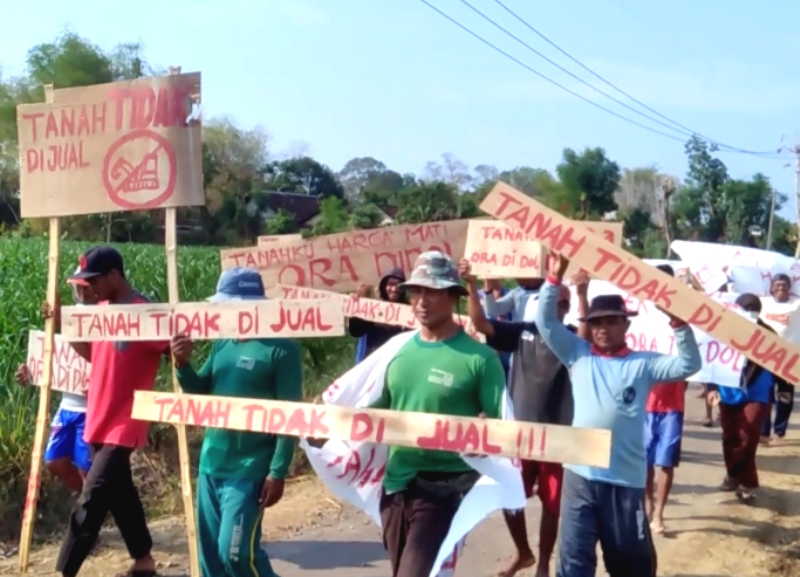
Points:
[(241, 472), (118, 370), (610, 385), (540, 392), (441, 370), (370, 335)]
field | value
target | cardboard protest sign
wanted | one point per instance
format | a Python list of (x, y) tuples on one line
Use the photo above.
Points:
[(269, 239), (70, 370), (497, 250), (112, 147), (377, 311), (608, 262), (203, 321), (553, 443), (345, 260)]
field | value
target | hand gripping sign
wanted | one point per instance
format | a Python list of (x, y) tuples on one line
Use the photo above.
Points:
[(203, 321), (608, 262), (515, 439)]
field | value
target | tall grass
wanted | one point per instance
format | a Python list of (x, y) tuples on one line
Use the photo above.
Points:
[(23, 274)]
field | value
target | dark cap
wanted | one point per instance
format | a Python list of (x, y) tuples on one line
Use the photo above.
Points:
[(749, 302), (781, 277), (99, 261), (607, 306), (667, 268)]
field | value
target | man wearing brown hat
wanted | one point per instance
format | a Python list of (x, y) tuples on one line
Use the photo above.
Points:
[(439, 370), (610, 385)]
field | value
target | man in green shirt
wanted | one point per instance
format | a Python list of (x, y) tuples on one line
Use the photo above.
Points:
[(241, 472), (439, 370)]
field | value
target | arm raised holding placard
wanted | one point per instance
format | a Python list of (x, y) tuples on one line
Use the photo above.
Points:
[(199, 382)]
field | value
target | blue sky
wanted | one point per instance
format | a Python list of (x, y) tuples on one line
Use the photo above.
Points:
[(394, 80)]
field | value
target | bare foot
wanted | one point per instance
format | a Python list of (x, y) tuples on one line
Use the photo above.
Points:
[(658, 527), (543, 569), (521, 561)]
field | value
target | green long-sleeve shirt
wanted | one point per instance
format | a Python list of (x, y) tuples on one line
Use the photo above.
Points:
[(258, 369)]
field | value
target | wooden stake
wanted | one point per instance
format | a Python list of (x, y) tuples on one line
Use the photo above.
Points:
[(43, 414), (171, 246)]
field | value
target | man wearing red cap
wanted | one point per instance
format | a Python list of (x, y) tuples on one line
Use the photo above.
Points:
[(539, 387), (118, 370)]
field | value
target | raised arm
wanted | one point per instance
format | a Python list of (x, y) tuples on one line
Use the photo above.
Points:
[(667, 368), (474, 308), (581, 282), (566, 345), (498, 307)]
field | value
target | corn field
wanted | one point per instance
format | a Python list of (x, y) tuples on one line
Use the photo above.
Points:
[(23, 265)]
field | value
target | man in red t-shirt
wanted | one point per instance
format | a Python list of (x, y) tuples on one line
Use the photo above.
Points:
[(663, 433), (118, 369)]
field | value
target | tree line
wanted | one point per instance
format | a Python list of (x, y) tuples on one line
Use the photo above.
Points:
[(241, 172)]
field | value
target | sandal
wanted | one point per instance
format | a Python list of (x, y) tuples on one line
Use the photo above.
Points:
[(728, 485)]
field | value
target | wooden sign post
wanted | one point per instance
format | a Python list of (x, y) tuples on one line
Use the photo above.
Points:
[(105, 148), (606, 261)]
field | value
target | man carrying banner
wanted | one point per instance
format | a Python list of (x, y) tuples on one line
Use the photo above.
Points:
[(610, 388), (118, 370), (241, 472), (68, 456), (540, 392), (779, 311), (370, 335), (742, 412), (439, 370)]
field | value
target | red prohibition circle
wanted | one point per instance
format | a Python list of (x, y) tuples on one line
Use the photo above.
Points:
[(163, 145)]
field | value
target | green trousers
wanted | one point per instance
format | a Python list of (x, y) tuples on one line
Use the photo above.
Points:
[(229, 528)]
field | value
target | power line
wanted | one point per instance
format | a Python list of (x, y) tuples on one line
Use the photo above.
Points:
[(550, 80), (543, 77), (601, 78)]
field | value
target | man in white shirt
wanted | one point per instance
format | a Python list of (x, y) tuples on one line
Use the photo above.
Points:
[(67, 455), (781, 311), (519, 302)]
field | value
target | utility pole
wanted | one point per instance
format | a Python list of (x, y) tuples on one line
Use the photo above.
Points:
[(797, 195)]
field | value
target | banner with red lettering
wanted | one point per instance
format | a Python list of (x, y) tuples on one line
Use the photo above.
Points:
[(354, 471), (650, 331), (70, 370)]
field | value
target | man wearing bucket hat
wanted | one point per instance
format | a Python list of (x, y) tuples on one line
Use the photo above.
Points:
[(439, 370), (241, 472), (610, 386)]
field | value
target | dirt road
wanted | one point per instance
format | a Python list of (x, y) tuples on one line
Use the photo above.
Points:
[(709, 533)]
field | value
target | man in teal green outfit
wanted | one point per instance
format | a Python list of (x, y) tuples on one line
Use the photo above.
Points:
[(241, 472)]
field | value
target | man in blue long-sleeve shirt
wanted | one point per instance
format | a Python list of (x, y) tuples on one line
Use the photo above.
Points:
[(610, 386)]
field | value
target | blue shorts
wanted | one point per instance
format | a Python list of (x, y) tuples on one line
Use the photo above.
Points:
[(66, 439), (662, 439)]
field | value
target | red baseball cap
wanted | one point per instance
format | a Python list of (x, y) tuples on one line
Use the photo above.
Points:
[(77, 281)]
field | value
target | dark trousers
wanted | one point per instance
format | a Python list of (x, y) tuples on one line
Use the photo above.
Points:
[(108, 488), (784, 403), (593, 511), (416, 521), (741, 430)]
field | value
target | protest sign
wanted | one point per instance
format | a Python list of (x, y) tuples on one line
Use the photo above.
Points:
[(496, 250), (112, 147), (345, 260), (650, 331), (552, 443), (70, 370), (270, 239), (374, 310), (608, 262), (203, 321)]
